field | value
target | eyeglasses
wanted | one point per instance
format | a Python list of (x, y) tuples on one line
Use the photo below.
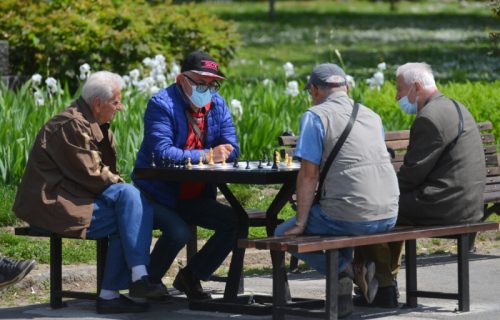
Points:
[(201, 87)]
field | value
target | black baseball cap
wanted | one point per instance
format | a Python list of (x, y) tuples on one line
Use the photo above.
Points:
[(327, 75), (201, 63)]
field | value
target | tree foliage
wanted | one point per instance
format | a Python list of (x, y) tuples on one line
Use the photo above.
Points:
[(56, 36)]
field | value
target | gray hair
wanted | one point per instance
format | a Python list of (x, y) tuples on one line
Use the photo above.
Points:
[(101, 84), (417, 71)]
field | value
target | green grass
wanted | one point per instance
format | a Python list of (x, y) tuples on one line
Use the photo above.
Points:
[(452, 36), (7, 196)]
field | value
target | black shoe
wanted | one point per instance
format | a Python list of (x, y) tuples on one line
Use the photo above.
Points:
[(186, 282), (121, 304), (143, 288), (12, 271), (166, 297), (386, 297)]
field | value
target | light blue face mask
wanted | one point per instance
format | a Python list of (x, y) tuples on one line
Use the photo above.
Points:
[(200, 99), (407, 106)]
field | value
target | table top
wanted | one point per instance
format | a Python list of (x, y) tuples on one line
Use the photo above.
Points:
[(246, 172)]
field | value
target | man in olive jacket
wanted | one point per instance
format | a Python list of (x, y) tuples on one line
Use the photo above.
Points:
[(443, 176), (71, 187)]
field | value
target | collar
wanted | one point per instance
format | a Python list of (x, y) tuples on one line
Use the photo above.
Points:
[(336, 95), (84, 108), (434, 96)]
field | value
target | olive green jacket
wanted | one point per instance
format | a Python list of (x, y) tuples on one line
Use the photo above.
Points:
[(442, 184)]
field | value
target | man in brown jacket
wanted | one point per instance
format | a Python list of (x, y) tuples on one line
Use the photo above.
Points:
[(71, 187)]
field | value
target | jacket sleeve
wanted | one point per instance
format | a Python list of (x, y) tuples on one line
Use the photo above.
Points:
[(73, 151), (227, 131), (424, 151)]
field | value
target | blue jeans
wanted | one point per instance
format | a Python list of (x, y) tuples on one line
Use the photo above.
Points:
[(203, 212), (318, 223), (123, 215)]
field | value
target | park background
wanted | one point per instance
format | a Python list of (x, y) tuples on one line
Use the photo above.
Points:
[(266, 62)]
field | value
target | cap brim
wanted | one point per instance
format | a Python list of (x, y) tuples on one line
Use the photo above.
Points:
[(208, 74)]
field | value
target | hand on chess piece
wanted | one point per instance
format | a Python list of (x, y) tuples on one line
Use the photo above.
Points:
[(222, 151)]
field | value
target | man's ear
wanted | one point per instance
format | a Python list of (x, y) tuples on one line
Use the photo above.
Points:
[(418, 86)]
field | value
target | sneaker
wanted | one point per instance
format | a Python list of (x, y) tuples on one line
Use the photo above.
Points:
[(386, 297), (186, 282), (121, 304), (12, 271), (364, 277), (143, 288)]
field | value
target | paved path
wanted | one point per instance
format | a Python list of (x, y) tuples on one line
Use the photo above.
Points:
[(435, 273)]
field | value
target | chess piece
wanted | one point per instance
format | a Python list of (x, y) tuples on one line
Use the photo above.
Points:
[(248, 165), (289, 161), (236, 164), (153, 165), (164, 162), (277, 157), (189, 164), (171, 163), (269, 162), (275, 161), (200, 163), (286, 158), (211, 157), (260, 165), (223, 161)]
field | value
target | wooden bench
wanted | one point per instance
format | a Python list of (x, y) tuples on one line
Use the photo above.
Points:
[(398, 142), (56, 290), (331, 244)]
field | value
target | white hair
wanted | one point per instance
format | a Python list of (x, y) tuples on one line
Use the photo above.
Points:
[(101, 84), (417, 71)]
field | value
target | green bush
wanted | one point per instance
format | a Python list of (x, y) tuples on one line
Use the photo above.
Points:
[(56, 37)]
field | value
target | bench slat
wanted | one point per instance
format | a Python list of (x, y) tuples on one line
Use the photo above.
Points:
[(308, 244)]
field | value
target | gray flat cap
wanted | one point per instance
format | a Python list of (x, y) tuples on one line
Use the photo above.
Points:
[(327, 75)]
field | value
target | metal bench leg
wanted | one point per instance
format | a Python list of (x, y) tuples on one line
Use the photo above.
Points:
[(332, 284), (279, 284), (101, 252), (56, 272), (411, 273), (463, 272)]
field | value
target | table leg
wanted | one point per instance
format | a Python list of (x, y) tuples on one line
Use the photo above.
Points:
[(279, 201), (236, 267)]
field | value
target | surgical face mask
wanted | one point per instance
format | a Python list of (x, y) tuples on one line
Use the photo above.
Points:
[(407, 106), (200, 99)]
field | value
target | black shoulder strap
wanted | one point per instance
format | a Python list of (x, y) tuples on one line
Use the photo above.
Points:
[(336, 150)]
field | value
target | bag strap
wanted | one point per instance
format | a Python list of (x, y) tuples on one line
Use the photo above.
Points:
[(460, 126), (196, 129), (336, 150)]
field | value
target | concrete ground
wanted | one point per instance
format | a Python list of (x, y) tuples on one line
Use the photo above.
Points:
[(434, 273)]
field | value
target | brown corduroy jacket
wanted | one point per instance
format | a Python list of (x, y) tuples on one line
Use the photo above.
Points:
[(73, 160)]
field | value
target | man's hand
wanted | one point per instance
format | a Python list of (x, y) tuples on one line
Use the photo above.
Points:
[(222, 151), (295, 230)]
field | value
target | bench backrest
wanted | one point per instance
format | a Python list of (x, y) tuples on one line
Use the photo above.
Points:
[(398, 141)]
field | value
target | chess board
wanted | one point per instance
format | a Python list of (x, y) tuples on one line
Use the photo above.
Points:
[(223, 173), (244, 165)]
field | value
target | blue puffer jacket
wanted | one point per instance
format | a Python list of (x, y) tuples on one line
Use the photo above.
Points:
[(165, 134)]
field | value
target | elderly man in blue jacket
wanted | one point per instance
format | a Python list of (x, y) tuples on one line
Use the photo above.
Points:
[(186, 120)]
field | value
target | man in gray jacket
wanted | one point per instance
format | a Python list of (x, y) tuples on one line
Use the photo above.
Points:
[(360, 192), (443, 175)]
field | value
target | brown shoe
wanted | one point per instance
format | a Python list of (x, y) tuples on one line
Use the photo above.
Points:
[(186, 282)]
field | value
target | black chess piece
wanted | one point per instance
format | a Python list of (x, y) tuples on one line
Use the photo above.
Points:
[(171, 163), (269, 162), (236, 164), (260, 165), (184, 163), (275, 163), (164, 162), (248, 165), (153, 164)]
